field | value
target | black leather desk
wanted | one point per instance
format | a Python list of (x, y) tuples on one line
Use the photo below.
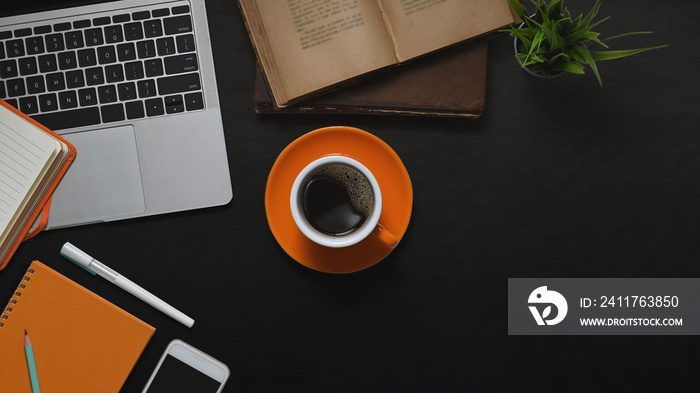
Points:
[(559, 178)]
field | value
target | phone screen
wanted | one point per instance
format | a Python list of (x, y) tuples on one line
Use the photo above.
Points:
[(176, 376)]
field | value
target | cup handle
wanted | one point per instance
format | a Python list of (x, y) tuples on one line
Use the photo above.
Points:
[(385, 236)]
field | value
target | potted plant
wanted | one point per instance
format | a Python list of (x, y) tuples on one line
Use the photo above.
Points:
[(549, 42)]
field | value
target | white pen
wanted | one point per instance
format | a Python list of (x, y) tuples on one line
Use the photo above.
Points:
[(76, 255)]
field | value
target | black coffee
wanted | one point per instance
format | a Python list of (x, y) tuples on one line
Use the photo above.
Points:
[(337, 200)]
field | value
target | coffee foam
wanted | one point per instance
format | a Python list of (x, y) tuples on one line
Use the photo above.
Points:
[(356, 184)]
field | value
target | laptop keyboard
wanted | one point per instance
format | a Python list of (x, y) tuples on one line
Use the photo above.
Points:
[(103, 68)]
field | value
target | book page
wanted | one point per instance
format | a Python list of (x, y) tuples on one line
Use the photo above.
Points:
[(317, 43), (421, 26), (25, 154)]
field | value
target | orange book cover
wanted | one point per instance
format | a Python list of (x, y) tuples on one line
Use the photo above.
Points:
[(82, 343), (43, 204)]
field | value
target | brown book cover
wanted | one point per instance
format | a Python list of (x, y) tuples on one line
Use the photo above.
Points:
[(451, 84)]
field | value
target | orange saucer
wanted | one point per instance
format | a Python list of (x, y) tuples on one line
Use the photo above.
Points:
[(376, 155)]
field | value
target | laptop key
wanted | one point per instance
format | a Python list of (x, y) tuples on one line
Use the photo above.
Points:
[(134, 110), (166, 46), (133, 70), (42, 29), (94, 37), (174, 104), (74, 40), (107, 94), (48, 63), (121, 18), (114, 73), (154, 106), (15, 48), (133, 31), (113, 34), (87, 57), (67, 61), (55, 81), (48, 102), (81, 24), (54, 42), (101, 21), (147, 88), (153, 28), (141, 15), (180, 64), (178, 25), (23, 32), (62, 26), (106, 55), (153, 67), (160, 12), (126, 51), (8, 69), (35, 84), (87, 97), (94, 76), (28, 105), (179, 84), (112, 113), (15, 87), (27, 66), (68, 99), (183, 9), (69, 119), (185, 43), (75, 79), (35, 45), (146, 49), (127, 91)]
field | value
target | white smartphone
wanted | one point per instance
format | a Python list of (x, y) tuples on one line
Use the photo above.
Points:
[(184, 368)]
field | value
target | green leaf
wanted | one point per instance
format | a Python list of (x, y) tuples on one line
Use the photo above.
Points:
[(575, 55), (518, 8), (583, 51), (598, 22), (617, 54), (559, 57), (626, 34), (535, 45), (574, 68), (591, 14), (553, 10)]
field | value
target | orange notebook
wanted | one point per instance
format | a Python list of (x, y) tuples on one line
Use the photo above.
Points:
[(82, 343), (33, 159)]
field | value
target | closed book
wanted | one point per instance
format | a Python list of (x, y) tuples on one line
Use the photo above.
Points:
[(81, 342), (449, 84)]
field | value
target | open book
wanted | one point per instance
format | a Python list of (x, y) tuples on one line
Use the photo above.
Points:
[(308, 46), (32, 161)]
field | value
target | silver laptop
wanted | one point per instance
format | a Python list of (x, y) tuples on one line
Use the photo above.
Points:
[(131, 84)]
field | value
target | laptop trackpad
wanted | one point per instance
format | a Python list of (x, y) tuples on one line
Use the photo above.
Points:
[(103, 182)]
